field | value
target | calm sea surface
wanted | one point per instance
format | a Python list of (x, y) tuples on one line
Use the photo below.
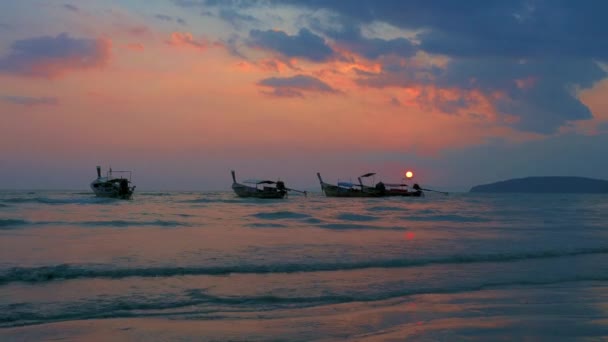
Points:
[(210, 266)]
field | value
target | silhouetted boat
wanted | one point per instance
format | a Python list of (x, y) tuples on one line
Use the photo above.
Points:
[(390, 189), (270, 189), (347, 189), (113, 186), (399, 190)]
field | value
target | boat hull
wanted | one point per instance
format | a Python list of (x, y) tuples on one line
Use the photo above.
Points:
[(251, 192), (403, 193), (336, 191), (109, 189)]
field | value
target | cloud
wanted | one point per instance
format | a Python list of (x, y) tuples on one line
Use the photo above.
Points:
[(135, 46), (51, 57), (236, 18), (30, 101), (163, 17), (347, 35), (305, 44), (537, 55), (241, 4), (71, 7), (493, 47), (168, 18), (138, 30), (545, 104), (295, 85), (186, 39), (188, 3)]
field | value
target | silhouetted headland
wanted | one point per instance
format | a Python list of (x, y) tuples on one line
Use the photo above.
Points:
[(546, 185)]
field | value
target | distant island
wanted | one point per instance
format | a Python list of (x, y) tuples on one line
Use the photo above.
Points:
[(546, 185)]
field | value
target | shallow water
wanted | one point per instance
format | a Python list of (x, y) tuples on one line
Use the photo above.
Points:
[(210, 266)]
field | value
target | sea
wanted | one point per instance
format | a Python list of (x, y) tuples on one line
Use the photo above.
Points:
[(208, 266)]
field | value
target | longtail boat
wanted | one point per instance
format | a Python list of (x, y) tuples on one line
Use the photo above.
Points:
[(346, 189), (391, 189), (112, 186), (380, 189), (399, 190), (269, 189)]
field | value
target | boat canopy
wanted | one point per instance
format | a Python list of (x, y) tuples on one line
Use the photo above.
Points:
[(346, 184)]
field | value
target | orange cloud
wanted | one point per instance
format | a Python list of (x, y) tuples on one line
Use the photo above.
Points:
[(186, 39), (139, 30), (135, 46)]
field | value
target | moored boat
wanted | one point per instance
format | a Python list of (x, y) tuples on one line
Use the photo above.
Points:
[(391, 189), (346, 189), (400, 190), (269, 189), (380, 189), (112, 186)]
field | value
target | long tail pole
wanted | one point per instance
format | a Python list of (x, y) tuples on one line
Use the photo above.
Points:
[(302, 192), (441, 192)]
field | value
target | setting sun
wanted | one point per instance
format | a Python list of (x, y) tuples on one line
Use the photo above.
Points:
[(409, 174)]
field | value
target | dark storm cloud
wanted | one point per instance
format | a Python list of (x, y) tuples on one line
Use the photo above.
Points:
[(305, 44), (293, 86)]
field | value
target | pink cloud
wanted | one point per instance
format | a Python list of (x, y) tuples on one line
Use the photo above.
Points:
[(139, 30), (135, 46), (186, 39)]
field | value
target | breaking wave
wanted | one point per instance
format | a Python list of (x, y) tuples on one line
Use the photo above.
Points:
[(280, 215), (356, 217), (353, 226), (198, 302), (12, 223), (66, 271), (448, 218), (59, 201), (126, 223)]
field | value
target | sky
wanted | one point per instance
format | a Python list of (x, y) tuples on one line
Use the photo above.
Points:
[(183, 91)]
